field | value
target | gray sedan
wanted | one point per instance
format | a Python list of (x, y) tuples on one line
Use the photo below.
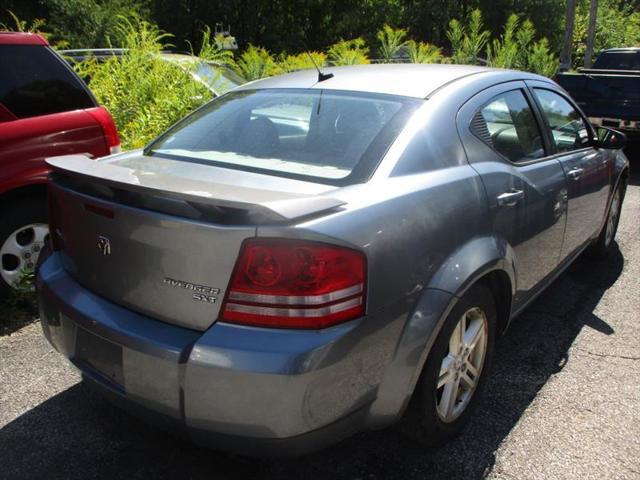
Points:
[(312, 255)]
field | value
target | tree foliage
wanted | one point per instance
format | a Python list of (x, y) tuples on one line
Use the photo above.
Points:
[(618, 25)]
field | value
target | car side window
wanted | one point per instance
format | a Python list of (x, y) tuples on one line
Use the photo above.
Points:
[(35, 82), (507, 124), (568, 129)]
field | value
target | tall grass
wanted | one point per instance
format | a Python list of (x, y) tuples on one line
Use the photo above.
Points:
[(144, 93)]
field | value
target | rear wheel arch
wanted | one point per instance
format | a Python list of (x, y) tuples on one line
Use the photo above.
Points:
[(492, 265), (499, 283)]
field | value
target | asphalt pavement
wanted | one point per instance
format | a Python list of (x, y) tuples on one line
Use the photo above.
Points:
[(562, 402)]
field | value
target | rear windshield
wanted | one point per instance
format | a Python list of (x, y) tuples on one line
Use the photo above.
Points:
[(35, 81), (618, 61), (330, 136)]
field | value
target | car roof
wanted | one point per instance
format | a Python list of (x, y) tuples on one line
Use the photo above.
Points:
[(21, 38), (410, 80)]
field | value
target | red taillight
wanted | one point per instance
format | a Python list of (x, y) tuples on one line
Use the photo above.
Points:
[(295, 284), (105, 121)]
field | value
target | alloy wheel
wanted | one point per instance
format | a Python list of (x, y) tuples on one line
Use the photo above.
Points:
[(461, 367), (20, 251)]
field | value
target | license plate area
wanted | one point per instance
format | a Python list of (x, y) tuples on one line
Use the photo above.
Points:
[(103, 358)]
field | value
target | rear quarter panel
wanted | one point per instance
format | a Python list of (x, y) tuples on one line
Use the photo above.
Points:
[(426, 237)]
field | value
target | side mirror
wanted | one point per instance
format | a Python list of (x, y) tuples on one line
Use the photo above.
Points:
[(610, 138)]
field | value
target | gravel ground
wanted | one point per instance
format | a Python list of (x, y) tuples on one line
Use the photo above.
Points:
[(563, 401)]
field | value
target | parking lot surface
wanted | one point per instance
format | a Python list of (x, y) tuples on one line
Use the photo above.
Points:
[(563, 401)]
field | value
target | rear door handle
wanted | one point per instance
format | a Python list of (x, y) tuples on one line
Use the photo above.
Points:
[(575, 174), (510, 199)]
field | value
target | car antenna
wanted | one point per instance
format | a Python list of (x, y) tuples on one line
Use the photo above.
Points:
[(321, 76)]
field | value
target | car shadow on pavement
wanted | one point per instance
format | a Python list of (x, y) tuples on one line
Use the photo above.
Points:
[(632, 151), (77, 434)]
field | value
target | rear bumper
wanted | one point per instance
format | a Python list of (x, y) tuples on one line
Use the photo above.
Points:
[(253, 390)]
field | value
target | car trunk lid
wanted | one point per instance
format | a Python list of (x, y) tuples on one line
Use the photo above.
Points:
[(162, 239)]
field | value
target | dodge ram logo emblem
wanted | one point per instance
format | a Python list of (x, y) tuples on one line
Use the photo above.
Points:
[(104, 245)]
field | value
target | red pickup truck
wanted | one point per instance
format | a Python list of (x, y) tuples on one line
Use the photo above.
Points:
[(45, 110)]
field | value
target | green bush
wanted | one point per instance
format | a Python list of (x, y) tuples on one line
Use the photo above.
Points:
[(420, 52), (348, 52), (17, 25), (256, 62), (541, 60), (391, 42), (301, 61), (505, 52), (211, 49), (516, 49), (144, 93), (468, 39)]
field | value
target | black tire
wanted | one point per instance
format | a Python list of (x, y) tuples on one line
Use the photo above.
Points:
[(422, 421), (15, 214), (604, 245)]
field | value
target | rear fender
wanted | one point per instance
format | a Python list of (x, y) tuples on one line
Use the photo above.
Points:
[(465, 267)]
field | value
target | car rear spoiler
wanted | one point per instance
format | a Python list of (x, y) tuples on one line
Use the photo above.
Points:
[(268, 205)]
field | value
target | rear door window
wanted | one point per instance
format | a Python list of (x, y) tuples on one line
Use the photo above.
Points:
[(507, 124), (34, 81), (569, 131)]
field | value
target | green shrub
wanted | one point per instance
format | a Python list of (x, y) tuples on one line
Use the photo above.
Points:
[(541, 60), (18, 25), (301, 61), (211, 49), (504, 52), (420, 52), (391, 42), (468, 39), (144, 93), (256, 62), (348, 52), (516, 49)]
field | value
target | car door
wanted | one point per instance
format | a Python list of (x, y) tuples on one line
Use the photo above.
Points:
[(525, 186), (587, 169)]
